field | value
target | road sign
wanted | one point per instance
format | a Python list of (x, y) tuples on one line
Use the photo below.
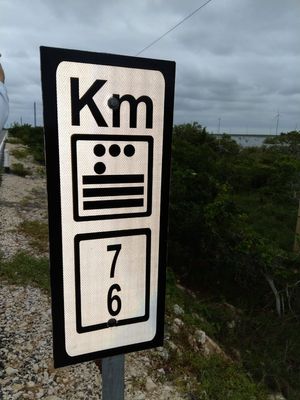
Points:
[(108, 122)]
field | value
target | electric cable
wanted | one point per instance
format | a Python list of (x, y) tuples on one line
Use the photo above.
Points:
[(174, 27)]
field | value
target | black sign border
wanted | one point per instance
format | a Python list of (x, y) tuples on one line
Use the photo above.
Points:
[(50, 60), (136, 138), (103, 235)]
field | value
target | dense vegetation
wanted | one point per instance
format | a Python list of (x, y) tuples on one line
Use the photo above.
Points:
[(33, 138), (233, 213)]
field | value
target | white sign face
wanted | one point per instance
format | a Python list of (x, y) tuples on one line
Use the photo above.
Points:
[(111, 138)]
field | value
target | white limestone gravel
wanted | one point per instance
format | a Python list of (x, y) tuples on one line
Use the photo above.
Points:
[(26, 364), (26, 367), (21, 198)]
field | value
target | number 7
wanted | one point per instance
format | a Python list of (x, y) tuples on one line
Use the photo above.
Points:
[(117, 249)]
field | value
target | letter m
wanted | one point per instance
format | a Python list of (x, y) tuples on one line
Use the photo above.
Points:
[(133, 105), (78, 103)]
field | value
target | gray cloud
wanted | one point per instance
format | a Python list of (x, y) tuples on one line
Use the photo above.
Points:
[(238, 61)]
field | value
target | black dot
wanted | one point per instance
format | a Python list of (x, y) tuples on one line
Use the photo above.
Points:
[(129, 150), (99, 150), (111, 322), (114, 150), (113, 103), (99, 168)]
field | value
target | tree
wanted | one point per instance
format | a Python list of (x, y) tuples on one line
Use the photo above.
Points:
[(214, 241)]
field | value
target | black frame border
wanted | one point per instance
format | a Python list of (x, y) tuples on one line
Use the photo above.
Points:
[(103, 235), (136, 138), (50, 59)]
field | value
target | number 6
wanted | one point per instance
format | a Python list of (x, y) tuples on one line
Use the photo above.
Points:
[(115, 298)]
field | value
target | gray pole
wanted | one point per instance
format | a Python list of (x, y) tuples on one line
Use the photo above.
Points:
[(113, 378), (277, 122), (34, 111)]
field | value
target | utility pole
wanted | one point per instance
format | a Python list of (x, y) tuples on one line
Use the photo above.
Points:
[(34, 114), (277, 122), (219, 125), (297, 233)]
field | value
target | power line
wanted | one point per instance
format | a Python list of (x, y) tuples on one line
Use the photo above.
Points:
[(174, 27)]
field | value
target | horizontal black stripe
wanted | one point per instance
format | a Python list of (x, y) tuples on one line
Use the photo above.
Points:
[(90, 179), (96, 205), (114, 191)]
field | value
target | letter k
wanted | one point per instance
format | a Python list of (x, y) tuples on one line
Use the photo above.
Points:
[(77, 103)]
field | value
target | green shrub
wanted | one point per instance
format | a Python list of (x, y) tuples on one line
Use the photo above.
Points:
[(19, 169), (13, 140), (24, 269), (270, 350), (232, 220), (19, 153), (219, 380), (32, 137), (227, 205), (209, 377), (37, 232)]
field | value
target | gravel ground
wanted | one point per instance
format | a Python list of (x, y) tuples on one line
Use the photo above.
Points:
[(26, 358), (26, 366), (20, 199)]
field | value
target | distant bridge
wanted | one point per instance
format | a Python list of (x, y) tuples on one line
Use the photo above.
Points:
[(248, 139)]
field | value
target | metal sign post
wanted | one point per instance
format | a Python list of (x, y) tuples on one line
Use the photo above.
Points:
[(113, 377), (108, 125)]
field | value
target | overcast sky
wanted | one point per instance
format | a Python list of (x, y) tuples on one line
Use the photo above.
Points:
[(238, 61)]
